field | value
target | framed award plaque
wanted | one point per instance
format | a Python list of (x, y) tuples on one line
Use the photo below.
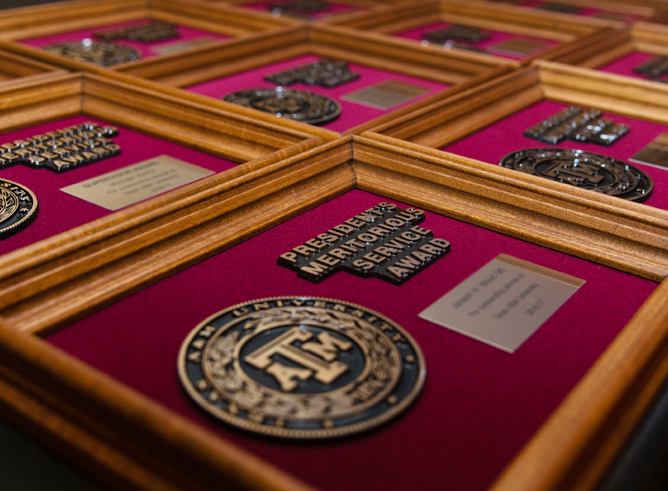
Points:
[(324, 76), (106, 35), (76, 148), (556, 122), (250, 363), (488, 28)]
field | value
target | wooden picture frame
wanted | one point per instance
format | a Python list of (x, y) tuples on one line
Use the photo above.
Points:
[(568, 31), (130, 441), (14, 67), (460, 70), (647, 37), (252, 144), (60, 18), (644, 9)]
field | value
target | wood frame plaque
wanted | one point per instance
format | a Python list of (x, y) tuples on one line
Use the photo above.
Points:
[(459, 70), (131, 441), (71, 16), (570, 32)]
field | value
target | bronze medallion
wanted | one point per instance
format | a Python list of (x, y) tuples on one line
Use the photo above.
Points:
[(99, 53), (583, 169), (18, 207), (301, 367), (297, 105)]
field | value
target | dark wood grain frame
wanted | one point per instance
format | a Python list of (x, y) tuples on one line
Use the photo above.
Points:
[(62, 17), (571, 31), (644, 8), (133, 443), (460, 69), (15, 67), (641, 36)]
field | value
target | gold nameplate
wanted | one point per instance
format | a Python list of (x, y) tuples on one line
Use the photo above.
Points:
[(517, 47), (178, 46), (135, 183), (386, 95), (655, 153), (504, 302)]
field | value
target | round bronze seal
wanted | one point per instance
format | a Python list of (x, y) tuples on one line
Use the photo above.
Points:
[(301, 367), (583, 169), (99, 53), (18, 207), (298, 105)]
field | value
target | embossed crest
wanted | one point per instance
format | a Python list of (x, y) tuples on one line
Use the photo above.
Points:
[(98, 53), (18, 207), (583, 169), (301, 367), (298, 105)]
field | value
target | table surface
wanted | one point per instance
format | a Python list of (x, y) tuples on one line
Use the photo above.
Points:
[(642, 466)]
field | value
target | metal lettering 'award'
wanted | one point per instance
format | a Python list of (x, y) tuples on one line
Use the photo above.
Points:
[(654, 68), (583, 169), (297, 105), (582, 125), (18, 207), (102, 54), (300, 367), (152, 32), (325, 73)]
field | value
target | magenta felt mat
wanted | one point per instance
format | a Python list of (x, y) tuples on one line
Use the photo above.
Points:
[(588, 12), (626, 64), (491, 144), (334, 8), (480, 405), (59, 211), (488, 44), (352, 114), (185, 34)]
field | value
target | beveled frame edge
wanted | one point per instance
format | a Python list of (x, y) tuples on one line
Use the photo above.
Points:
[(223, 19), (584, 31), (364, 48), (575, 446)]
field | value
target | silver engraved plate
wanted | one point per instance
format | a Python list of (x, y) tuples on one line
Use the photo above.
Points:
[(99, 53), (297, 105)]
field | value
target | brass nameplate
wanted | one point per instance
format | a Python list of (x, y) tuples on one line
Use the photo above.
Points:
[(135, 183), (504, 302), (177, 47), (655, 153), (383, 241), (386, 95), (517, 47)]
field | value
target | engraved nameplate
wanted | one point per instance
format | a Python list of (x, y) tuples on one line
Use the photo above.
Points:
[(383, 241), (386, 95), (135, 183), (177, 47), (504, 302), (655, 153)]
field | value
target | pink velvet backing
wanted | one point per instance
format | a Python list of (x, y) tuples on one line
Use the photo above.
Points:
[(334, 8), (146, 49), (626, 64), (496, 38), (586, 11), (59, 211), (352, 114), (480, 405), (491, 144)]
